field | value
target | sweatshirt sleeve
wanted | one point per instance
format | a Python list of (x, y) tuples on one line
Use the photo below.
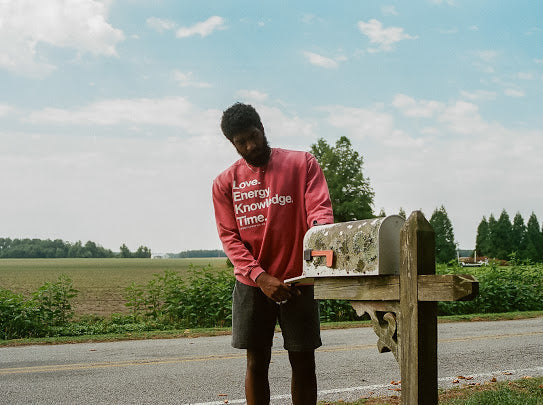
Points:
[(317, 197), (242, 259)]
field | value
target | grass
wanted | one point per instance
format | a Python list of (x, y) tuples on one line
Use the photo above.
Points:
[(199, 332), (526, 391), (100, 282)]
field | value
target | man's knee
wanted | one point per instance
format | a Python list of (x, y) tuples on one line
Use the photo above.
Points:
[(303, 362), (258, 360)]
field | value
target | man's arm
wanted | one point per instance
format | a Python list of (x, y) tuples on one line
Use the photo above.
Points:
[(317, 198), (227, 228)]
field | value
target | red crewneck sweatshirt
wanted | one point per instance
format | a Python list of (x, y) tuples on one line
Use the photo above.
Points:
[(263, 213)]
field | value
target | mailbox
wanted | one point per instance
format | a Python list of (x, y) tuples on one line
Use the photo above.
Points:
[(366, 247)]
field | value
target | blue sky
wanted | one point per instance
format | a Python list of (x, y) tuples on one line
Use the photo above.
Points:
[(109, 110)]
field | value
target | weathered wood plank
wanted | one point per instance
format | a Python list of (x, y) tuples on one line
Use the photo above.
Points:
[(443, 287), (418, 320), (447, 287), (358, 288)]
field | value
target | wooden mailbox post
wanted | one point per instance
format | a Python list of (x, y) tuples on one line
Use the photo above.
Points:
[(403, 308)]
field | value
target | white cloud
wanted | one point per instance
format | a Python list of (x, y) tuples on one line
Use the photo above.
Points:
[(478, 95), (463, 118), (525, 75), (389, 10), (412, 108), (362, 124), (253, 95), (319, 60), (385, 38), (160, 24), (487, 56), (485, 60), (164, 183), (79, 25), (203, 29), (114, 179), (439, 2), (279, 125), (186, 80), (5, 110), (311, 18), (514, 93), (175, 112), (449, 31)]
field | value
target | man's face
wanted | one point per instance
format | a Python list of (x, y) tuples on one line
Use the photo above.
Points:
[(253, 146)]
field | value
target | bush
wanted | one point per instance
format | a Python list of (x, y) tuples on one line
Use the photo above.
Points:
[(501, 289), (53, 301), (205, 301), (48, 307)]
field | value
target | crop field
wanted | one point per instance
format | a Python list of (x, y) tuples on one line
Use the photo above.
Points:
[(100, 282)]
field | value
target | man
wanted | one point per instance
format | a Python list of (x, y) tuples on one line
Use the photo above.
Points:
[(264, 204)]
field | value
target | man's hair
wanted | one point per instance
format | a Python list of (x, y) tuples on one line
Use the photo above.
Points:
[(239, 117)]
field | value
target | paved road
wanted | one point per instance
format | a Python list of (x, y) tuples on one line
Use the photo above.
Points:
[(208, 371)]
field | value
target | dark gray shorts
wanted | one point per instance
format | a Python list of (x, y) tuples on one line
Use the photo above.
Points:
[(254, 317)]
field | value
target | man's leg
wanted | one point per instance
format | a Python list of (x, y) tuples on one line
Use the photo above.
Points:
[(304, 378), (257, 385)]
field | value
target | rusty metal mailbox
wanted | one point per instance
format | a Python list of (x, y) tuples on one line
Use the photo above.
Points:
[(366, 247)]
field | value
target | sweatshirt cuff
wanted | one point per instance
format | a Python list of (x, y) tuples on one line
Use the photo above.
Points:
[(255, 272)]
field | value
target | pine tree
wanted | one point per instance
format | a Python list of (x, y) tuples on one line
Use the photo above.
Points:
[(445, 245), (534, 240), (482, 241), (492, 248), (402, 213), (502, 236), (518, 232)]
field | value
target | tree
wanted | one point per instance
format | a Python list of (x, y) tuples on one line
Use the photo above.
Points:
[(402, 213), (534, 240), (445, 245), (482, 240), (350, 191), (492, 249), (518, 231), (501, 236), (125, 252), (143, 252)]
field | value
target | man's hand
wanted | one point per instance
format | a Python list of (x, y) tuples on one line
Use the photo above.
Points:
[(275, 288)]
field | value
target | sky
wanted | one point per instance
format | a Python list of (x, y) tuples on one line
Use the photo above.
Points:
[(110, 109)]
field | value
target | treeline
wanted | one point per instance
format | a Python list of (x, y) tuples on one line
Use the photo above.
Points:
[(199, 253), (500, 238), (56, 249), (503, 239)]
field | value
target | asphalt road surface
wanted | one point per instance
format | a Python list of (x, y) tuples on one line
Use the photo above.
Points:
[(208, 371)]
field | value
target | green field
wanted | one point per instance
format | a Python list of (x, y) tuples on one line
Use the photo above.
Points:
[(100, 282)]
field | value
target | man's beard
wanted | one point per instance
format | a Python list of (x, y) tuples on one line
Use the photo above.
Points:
[(261, 157)]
